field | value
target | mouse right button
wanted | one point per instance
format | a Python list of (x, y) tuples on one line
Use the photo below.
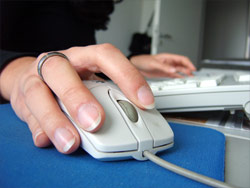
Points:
[(158, 127)]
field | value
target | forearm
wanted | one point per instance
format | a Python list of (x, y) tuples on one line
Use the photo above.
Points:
[(11, 73)]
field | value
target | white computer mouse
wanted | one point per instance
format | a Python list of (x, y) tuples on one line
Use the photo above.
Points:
[(127, 130)]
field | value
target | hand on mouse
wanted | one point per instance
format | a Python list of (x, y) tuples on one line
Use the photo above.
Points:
[(33, 101), (163, 65)]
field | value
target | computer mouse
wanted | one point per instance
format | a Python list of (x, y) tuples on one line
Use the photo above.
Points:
[(127, 130)]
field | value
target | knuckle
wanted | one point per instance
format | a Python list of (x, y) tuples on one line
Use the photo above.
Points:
[(105, 48), (48, 122), (70, 93), (73, 49), (47, 119), (20, 109), (31, 85), (30, 120)]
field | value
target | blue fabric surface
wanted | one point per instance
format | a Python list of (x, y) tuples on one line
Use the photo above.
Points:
[(23, 165)]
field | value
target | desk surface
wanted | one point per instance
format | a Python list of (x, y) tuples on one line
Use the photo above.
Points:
[(237, 156), (23, 165)]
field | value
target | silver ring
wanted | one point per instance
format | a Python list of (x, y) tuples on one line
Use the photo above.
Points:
[(44, 58)]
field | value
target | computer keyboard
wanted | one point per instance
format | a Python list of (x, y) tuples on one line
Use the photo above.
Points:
[(203, 92)]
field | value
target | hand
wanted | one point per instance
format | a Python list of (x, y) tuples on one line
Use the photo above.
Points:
[(163, 65), (34, 103)]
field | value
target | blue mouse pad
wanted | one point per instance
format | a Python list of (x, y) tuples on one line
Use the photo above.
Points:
[(23, 165)]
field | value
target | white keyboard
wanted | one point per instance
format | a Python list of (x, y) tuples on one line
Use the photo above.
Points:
[(203, 92)]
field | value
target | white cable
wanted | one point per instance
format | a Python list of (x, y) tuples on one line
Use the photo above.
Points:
[(184, 172)]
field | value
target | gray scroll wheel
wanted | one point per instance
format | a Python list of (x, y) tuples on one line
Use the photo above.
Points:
[(129, 110)]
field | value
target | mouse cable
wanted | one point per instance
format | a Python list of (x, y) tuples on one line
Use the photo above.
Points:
[(184, 172)]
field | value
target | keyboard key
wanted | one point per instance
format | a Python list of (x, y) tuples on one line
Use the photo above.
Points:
[(179, 86), (208, 83), (195, 80), (211, 81), (203, 92), (155, 86), (242, 77)]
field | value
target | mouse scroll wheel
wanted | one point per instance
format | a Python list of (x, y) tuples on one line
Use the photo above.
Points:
[(129, 110)]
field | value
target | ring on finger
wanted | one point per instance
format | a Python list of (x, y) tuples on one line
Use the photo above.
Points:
[(44, 58)]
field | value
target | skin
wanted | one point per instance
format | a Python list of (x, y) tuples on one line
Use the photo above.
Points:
[(163, 65), (33, 101)]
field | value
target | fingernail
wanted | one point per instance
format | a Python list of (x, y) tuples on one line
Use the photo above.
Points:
[(39, 137), (146, 97), (64, 139), (89, 117), (38, 133)]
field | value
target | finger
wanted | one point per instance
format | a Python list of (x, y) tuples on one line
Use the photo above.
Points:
[(184, 71), (116, 66), (68, 87), (160, 69), (39, 137), (177, 59), (184, 61), (50, 118)]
